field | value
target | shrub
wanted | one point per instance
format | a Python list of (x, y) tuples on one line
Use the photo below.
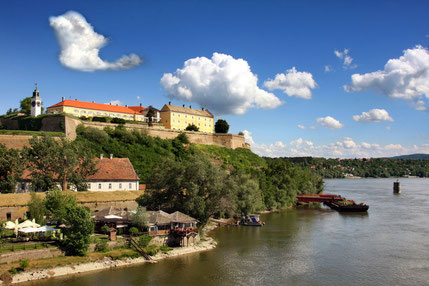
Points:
[(6, 278), (101, 246), (221, 126), (165, 249), (152, 250), (24, 263), (144, 240), (118, 120), (14, 270), (133, 231), (100, 119), (183, 138), (105, 229), (192, 127), (241, 133)]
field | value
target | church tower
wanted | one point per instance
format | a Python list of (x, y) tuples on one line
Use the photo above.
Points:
[(36, 103)]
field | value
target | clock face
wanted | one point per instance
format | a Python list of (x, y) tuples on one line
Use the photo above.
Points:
[(33, 104), (38, 104)]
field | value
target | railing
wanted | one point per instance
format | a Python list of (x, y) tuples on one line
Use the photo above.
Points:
[(135, 245)]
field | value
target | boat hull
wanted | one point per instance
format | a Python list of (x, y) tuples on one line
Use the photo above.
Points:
[(349, 208)]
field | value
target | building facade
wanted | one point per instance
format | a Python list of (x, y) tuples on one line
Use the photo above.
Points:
[(36, 103), (178, 118), (113, 174)]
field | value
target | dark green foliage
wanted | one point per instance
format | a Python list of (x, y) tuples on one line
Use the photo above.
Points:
[(133, 230), (78, 232), (192, 127), (63, 160), (221, 126), (140, 218), (241, 133), (144, 240), (183, 138), (152, 250), (118, 120), (37, 209), (100, 119), (26, 105), (165, 249), (11, 168), (24, 263), (105, 229), (101, 246), (57, 204)]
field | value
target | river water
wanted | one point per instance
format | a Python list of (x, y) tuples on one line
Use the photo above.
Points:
[(305, 246)]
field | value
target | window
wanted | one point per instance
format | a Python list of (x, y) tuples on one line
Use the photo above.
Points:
[(89, 186), (130, 185), (174, 120), (99, 186), (186, 116), (120, 185), (8, 216), (110, 186), (178, 115)]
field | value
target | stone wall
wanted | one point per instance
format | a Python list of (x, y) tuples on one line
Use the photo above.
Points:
[(15, 141), (29, 254)]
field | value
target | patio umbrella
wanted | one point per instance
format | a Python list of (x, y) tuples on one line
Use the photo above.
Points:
[(113, 217), (28, 230), (45, 228), (9, 225), (25, 224)]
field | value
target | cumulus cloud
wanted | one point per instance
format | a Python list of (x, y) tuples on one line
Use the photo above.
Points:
[(347, 59), (329, 122), (404, 78), (222, 84), (303, 127), (293, 83), (374, 115), (346, 148), (80, 45)]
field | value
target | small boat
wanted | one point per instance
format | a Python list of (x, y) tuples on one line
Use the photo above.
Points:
[(347, 206), (251, 220)]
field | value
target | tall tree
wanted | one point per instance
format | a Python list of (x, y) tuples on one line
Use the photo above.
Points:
[(37, 208), (52, 161), (11, 168), (221, 126), (26, 105), (149, 115)]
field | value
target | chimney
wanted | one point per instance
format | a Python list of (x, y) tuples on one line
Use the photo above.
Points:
[(140, 105), (75, 99), (62, 98), (92, 101), (126, 105), (202, 108), (111, 156), (169, 103), (116, 104), (183, 105), (190, 106), (110, 103), (101, 156)]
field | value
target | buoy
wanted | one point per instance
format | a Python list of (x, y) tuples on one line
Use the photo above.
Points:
[(396, 187)]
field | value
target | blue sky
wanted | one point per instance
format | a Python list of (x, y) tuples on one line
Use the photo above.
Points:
[(241, 57)]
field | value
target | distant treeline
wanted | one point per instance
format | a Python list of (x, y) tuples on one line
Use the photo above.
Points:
[(367, 168)]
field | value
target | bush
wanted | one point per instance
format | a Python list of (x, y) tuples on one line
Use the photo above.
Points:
[(183, 138), (14, 270), (118, 120), (144, 240), (6, 278), (221, 126), (100, 119), (241, 133), (165, 249), (105, 229), (24, 263), (151, 250), (133, 231), (192, 127), (101, 246)]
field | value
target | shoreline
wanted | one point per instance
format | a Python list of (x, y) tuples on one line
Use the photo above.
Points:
[(206, 243)]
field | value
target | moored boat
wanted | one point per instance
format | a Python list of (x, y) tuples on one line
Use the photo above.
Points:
[(251, 220), (347, 206)]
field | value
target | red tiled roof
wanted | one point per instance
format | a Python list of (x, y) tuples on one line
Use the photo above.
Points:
[(94, 106), (115, 169), (138, 109)]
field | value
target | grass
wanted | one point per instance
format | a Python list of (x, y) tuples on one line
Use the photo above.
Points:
[(31, 133), (19, 247)]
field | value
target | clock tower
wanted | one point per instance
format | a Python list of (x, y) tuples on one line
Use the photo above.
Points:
[(36, 103)]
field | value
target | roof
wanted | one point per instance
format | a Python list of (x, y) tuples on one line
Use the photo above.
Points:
[(101, 215), (181, 217), (161, 217), (94, 106), (115, 169), (186, 110), (138, 109)]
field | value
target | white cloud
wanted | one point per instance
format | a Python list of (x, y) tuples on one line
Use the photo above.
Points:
[(347, 59), (222, 84), (138, 97), (327, 68), (388, 127), (374, 115), (329, 122), (301, 126), (293, 83), (404, 78), (114, 102), (80, 45), (346, 148)]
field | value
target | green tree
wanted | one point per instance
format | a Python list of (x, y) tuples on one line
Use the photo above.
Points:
[(78, 232), (37, 208), (140, 218), (26, 105), (149, 116), (221, 126), (11, 169), (57, 204), (192, 127), (248, 197), (52, 161)]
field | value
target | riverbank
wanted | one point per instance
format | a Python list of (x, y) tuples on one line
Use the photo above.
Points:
[(206, 243)]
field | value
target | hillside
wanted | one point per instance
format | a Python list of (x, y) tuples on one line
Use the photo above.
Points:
[(412, 156)]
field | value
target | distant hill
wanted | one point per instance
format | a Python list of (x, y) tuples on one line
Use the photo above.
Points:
[(411, 156)]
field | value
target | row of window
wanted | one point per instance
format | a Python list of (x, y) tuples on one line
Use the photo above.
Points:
[(120, 186), (186, 122), (90, 113), (186, 116)]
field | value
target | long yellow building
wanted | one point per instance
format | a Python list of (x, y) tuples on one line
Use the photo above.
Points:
[(178, 118)]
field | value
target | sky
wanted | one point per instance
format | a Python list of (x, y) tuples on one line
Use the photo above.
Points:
[(337, 79)]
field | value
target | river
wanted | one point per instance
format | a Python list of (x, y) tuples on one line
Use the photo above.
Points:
[(305, 246)]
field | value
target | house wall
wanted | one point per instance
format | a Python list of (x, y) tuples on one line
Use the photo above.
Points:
[(179, 121), (76, 111), (93, 186)]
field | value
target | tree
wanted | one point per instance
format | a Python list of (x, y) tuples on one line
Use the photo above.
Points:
[(78, 232), (150, 113), (26, 105), (221, 126), (37, 209), (52, 161), (57, 203), (192, 127), (11, 169), (140, 218)]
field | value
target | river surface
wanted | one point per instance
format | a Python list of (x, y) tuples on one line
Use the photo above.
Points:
[(305, 246)]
